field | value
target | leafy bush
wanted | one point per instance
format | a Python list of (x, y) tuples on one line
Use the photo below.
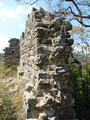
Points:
[(6, 109), (6, 71), (11, 103), (80, 82)]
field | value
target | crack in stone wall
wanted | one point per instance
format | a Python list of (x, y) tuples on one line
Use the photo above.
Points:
[(12, 53), (44, 71)]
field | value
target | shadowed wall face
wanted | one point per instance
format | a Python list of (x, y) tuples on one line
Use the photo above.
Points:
[(12, 53), (44, 72)]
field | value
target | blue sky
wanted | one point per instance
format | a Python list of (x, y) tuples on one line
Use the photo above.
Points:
[(13, 17), (12, 21)]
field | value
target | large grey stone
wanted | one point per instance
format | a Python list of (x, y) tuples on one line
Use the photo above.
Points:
[(60, 70)]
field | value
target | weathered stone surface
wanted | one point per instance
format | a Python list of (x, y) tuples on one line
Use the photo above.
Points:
[(44, 71), (60, 70), (59, 49), (70, 41), (66, 26), (12, 53), (1, 57)]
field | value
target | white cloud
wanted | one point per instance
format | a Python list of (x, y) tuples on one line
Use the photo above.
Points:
[(3, 42), (20, 9), (4, 20), (21, 26), (29, 9), (1, 4), (7, 13), (11, 14)]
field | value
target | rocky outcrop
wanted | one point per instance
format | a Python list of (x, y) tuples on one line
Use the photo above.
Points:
[(44, 72), (12, 53)]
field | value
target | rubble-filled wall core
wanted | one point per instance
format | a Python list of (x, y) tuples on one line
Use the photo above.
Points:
[(44, 71), (12, 53)]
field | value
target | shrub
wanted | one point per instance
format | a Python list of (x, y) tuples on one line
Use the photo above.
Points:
[(6, 109), (80, 82)]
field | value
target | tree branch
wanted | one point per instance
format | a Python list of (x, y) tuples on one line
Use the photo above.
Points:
[(34, 2), (88, 16), (77, 7), (24, 2), (79, 16), (82, 23)]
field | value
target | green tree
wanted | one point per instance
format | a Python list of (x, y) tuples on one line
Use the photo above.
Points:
[(80, 74), (81, 85)]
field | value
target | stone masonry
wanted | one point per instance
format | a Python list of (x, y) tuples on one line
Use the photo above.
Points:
[(44, 71), (12, 53), (1, 57)]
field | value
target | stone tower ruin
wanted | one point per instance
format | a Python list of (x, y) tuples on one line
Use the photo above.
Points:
[(12, 53), (44, 71)]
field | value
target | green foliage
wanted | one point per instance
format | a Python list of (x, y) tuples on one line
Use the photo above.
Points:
[(11, 71), (6, 109), (10, 102), (6, 71), (80, 82)]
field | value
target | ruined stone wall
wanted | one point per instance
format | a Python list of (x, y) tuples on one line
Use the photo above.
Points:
[(44, 71), (12, 53), (1, 57)]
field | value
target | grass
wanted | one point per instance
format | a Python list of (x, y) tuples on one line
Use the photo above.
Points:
[(10, 102), (6, 71), (6, 109), (18, 102)]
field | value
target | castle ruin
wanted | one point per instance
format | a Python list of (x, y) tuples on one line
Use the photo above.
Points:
[(44, 70), (12, 53)]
